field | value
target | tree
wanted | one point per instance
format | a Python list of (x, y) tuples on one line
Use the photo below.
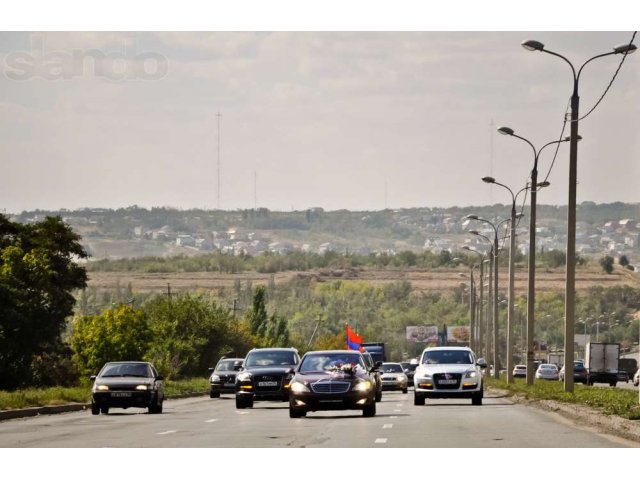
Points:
[(624, 261), (37, 275), (606, 263), (257, 316), (190, 333), (116, 335)]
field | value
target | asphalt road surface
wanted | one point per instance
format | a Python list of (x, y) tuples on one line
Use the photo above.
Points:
[(215, 423)]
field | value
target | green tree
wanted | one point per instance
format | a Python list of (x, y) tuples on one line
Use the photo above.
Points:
[(37, 275), (190, 333), (119, 334), (257, 316), (606, 263), (624, 261)]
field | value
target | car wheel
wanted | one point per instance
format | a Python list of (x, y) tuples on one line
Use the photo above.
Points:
[(418, 399), (406, 390), (612, 384), (369, 410), (104, 410), (295, 413), (379, 395), (214, 394), (240, 402), (95, 409), (476, 399)]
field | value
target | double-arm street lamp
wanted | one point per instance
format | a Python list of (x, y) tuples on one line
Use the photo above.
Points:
[(476, 326), (496, 372), (569, 316), (531, 293), (512, 248)]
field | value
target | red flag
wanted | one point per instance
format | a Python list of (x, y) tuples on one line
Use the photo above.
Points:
[(353, 340)]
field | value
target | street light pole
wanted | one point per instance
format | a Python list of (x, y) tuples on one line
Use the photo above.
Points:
[(531, 292), (476, 334), (511, 299), (569, 307)]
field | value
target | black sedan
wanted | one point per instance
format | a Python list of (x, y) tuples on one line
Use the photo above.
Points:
[(332, 380), (580, 373), (127, 384)]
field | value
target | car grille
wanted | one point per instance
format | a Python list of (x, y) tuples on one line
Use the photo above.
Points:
[(227, 378), (440, 377), (330, 387)]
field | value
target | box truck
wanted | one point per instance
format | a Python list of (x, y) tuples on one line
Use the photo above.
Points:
[(601, 361)]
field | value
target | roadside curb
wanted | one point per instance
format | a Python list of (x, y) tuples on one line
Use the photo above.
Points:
[(583, 415), (71, 407)]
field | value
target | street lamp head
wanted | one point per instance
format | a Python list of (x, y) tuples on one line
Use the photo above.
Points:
[(505, 131), (625, 48), (533, 45), (474, 232), (488, 180), (471, 217), (519, 215), (543, 184)]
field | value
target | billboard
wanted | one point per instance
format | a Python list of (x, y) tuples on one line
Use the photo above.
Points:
[(458, 334), (422, 334)]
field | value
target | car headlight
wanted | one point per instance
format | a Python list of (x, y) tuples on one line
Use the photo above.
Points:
[(215, 378), (143, 387), (101, 388), (299, 387), (471, 374), (363, 386), (426, 378), (244, 377)]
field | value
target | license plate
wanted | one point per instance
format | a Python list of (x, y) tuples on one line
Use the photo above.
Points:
[(120, 394), (447, 382), (267, 384), (330, 401)]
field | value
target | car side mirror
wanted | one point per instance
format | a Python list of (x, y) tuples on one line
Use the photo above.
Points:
[(211, 369), (237, 366), (481, 363), (159, 377), (378, 364), (92, 378)]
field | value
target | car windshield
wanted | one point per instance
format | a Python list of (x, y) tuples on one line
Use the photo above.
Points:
[(391, 368), (126, 370), (270, 358), (447, 357), (225, 365), (326, 362)]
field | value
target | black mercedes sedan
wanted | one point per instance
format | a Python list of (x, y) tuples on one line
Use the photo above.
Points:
[(127, 384), (332, 380)]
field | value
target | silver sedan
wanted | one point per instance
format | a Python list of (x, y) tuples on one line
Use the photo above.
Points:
[(547, 371)]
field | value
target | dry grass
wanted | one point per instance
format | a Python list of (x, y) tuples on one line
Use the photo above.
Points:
[(422, 280)]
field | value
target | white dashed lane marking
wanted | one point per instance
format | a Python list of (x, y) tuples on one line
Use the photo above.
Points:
[(381, 440), (242, 413), (397, 410), (388, 425), (167, 432), (393, 416), (211, 421)]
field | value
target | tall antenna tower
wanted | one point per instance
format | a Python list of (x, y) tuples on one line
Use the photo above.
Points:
[(255, 190), (386, 205), (218, 115)]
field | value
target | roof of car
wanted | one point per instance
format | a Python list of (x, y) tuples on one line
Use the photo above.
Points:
[(447, 348), (324, 352), (282, 349)]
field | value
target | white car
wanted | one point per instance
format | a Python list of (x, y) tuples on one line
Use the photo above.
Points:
[(449, 372), (393, 377), (636, 378), (547, 371)]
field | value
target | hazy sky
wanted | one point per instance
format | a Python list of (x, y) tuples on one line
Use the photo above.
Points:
[(334, 120)]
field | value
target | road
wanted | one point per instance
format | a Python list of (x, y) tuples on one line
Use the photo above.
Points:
[(205, 422)]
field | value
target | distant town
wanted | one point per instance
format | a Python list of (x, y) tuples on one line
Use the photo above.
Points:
[(135, 232)]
